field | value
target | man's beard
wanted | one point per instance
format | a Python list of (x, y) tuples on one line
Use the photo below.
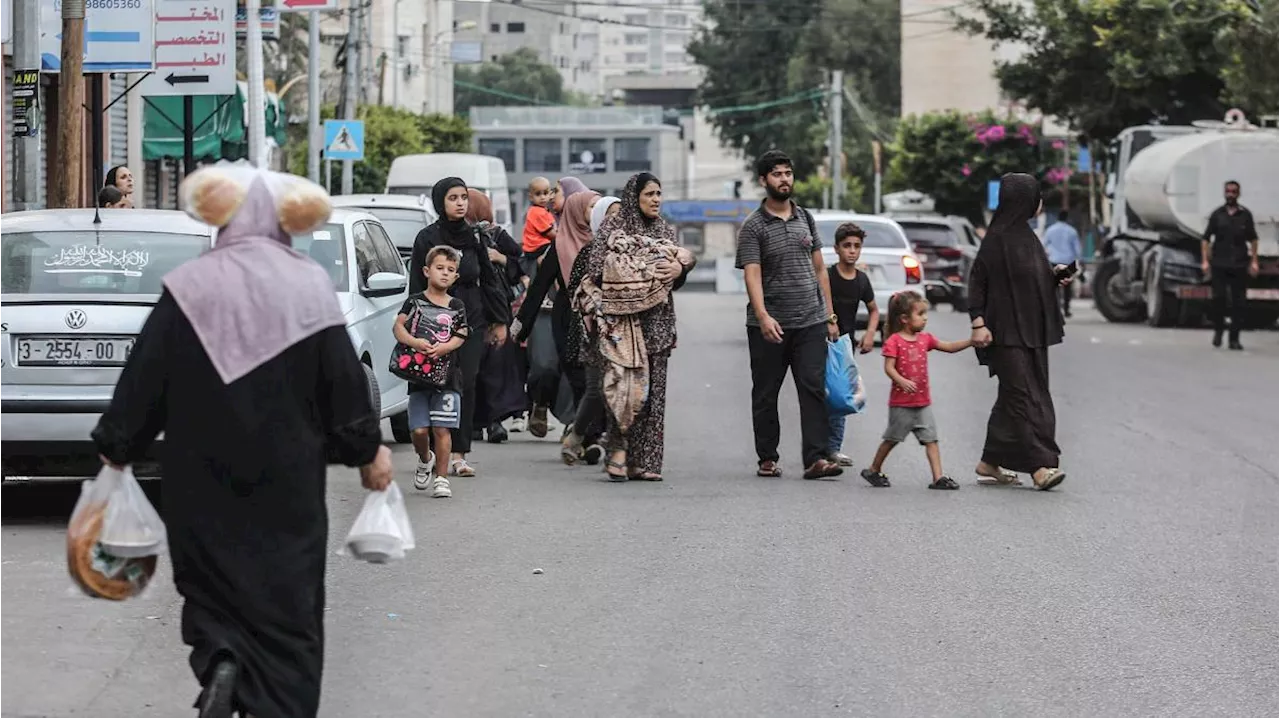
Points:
[(1232, 201), (777, 194)]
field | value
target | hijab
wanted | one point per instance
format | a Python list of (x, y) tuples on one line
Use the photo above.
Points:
[(454, 232), (600, 211), (479, 208), (1021, 302), (574, 232), (252, 296), (571, 186)]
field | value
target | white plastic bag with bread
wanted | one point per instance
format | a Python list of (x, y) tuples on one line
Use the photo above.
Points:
[(215, 193), (114, 537)]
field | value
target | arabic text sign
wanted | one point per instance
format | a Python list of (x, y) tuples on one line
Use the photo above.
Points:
[(195, 48), (83, 257), (118, 36)]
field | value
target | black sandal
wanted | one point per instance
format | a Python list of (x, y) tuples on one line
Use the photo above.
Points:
[(944, 483), (875, 478), (610, 465)]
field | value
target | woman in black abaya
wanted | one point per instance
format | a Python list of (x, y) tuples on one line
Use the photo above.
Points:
[(245, 365), (1015, 317)]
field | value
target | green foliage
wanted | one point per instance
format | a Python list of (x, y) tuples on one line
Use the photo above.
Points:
[(1108, 64), (514, 77), (952, 157), (390, 133), (1251, 77), (811, 192), (767, 71)]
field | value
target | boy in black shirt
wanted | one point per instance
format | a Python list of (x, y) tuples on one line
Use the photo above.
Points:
[(849, 287)]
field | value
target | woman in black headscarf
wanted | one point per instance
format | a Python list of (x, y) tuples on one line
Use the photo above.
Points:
[(479, 286), (1015, 318)]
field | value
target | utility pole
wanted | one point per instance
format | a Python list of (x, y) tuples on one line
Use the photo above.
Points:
[(395, 53), (314, 136), (69, 179), (26, 56), (353, 90), (837, 136), (257, 119)]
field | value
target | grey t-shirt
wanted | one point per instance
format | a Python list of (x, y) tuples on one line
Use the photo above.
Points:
[(784, 250)]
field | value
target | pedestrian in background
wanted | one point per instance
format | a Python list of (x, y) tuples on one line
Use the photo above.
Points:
[(1229, 255), (1062, 245), (121, 178), (1013, 309), (111, 198), (479, 286), (906, 362), (789, 318), (849, 288), (246, 367), (626, 297)]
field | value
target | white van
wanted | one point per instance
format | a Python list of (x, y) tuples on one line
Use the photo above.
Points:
[(417, 174)]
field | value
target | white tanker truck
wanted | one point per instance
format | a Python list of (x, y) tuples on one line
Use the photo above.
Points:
[(1163, 183)]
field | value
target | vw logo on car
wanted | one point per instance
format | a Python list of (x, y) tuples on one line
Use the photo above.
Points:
[(76, 319)]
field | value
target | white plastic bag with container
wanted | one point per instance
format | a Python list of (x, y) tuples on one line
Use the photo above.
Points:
[(381, 532), (114, 536)]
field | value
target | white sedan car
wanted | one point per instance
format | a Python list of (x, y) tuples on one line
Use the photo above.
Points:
[(887, 257), (403, 215), (75, 294), (372, 284)]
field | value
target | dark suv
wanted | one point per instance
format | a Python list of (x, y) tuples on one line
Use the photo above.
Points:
[(946, 246)]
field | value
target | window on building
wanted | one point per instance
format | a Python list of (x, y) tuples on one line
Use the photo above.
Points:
[(637, 38), (495, 27), (635, 58), (502, 148), (636, 19), (631, 154), (675, 20), (515, 27), (588, 156), (677, 38), (674, 58), (542, 156)]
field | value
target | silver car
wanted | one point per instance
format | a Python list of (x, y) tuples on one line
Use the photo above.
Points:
[(887, 256), (75, 293)]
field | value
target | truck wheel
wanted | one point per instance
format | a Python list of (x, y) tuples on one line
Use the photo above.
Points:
[(400, 428), (1109, 300), (1162, 307)]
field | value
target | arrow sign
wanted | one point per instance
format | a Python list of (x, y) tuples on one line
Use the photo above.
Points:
[(287, 5), (173, 79)]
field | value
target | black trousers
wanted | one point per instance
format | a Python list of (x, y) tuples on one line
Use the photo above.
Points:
[(1229, 282), (469, 356), (1066, 298), (590, 419), (804, 353)]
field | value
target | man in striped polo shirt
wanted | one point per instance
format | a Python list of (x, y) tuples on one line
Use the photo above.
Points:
[(789, 318)]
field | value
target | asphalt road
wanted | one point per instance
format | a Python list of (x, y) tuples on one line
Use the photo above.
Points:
[(1144, 586)]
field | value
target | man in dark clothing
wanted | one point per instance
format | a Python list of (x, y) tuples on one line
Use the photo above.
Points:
[(789, 318), (1229, 255)]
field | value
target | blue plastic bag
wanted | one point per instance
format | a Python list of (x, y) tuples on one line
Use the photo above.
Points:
[(845, 393)]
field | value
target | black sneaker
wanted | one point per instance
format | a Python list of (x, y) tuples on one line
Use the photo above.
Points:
[(1235, 346), (497, 434), (1217, 340), (218, 696), (592, 454)]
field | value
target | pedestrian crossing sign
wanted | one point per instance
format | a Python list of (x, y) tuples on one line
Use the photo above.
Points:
[(344, 140)]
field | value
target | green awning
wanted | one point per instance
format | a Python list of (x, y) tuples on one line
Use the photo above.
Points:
[(219, 123)]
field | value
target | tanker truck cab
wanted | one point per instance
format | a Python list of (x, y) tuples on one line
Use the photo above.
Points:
[(1162, 185)]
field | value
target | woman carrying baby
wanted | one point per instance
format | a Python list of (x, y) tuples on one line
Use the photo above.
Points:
[(633, 266)]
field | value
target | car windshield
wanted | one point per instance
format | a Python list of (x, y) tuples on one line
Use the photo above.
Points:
[(101, 262), (328, 246), (931, 235), (402, 225), (878, 234)]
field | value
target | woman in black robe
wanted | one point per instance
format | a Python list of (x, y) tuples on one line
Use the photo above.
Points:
[(1015, 317), (245, 365)]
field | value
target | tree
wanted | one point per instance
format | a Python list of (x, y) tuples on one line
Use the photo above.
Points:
[(390, 133), (1108, 64), (1250, 77), (779, 99), (517, 76), (951, 157)]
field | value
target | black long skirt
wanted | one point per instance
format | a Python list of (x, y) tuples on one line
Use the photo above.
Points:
[(1021, 430)]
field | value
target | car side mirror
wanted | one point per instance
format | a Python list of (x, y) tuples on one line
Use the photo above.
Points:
[(385, 283)]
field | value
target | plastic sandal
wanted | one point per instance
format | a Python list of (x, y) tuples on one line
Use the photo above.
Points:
[(611, 464), (1004, 477), (1051, 478), (875, 478), (460, 467), (769, 469), (944, 483)]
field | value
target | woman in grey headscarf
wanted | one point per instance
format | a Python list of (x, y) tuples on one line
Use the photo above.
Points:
[(245, 365)]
